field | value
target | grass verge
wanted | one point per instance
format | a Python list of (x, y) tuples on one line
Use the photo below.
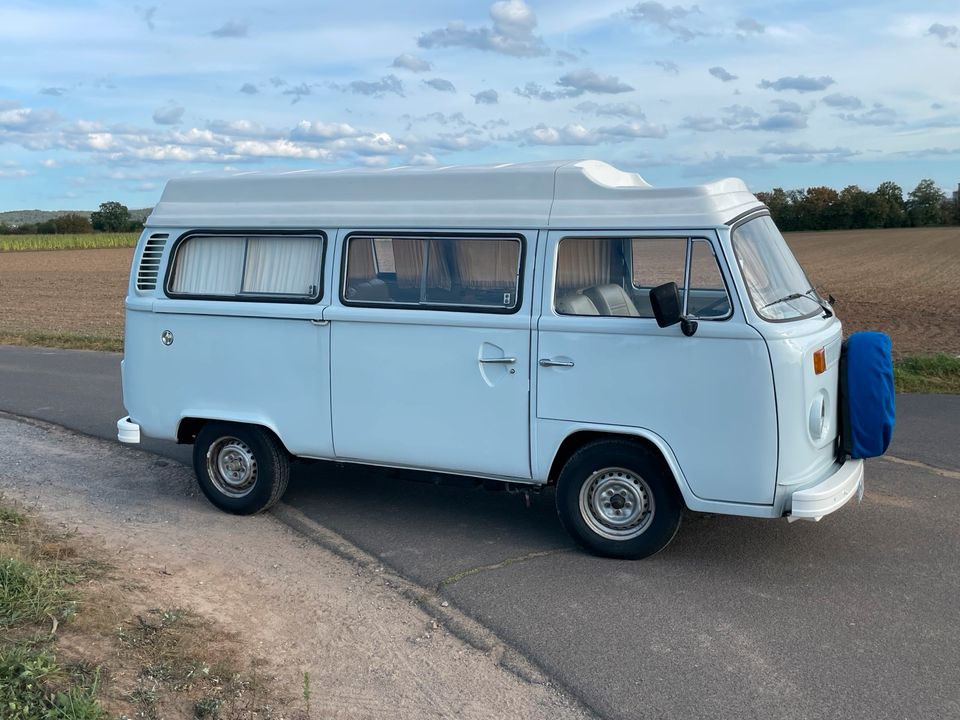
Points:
[(39, 577), (81, 241), (927, 374), (67, 341), (76, 644)]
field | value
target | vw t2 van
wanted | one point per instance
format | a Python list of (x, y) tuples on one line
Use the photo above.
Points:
[(644, 350)]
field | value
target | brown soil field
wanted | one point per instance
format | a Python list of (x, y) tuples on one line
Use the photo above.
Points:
[(903, 282), (64, 291)]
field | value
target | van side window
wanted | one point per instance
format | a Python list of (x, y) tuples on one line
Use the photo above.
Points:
[(708, 298), (248, 267), (612, 276), (441, 273)]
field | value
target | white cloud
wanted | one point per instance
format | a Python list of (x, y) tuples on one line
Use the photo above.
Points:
[(580, 81), (231, 29), (406, 61), (947, 34), (378, 88), (169, 115), (440, 84), (486, 97), (721, 74), (838, 100), (800, 83), (668, 66), (669, 19), (879, 114), (512, 32)]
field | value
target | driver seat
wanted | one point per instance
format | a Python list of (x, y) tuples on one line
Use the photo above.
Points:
[(611, 299)]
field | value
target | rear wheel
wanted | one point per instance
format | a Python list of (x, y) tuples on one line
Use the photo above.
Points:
[(242, 469), (618, 499)]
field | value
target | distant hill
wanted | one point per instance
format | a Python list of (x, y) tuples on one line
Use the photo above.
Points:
[(21, 217)]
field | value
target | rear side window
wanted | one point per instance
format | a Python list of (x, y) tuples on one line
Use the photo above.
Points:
[(441, 273), (262, 267)]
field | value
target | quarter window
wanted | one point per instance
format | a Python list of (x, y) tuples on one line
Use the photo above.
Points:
[(474, 273), (248, 267), (611, 276)]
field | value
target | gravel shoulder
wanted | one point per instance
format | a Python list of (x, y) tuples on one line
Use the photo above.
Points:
[(368, 642)]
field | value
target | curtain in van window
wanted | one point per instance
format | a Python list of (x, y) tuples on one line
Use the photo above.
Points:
[(583, 263), (360, 261), (282, 265), (209, 266), (486, 264), (408, 260)]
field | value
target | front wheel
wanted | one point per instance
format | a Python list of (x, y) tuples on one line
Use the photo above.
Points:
[(618, 500), (242, 469)]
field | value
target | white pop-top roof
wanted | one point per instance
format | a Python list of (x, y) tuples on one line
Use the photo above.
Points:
[(567, 195)]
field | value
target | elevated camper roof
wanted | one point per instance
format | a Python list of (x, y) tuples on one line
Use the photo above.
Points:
[(564, 195)]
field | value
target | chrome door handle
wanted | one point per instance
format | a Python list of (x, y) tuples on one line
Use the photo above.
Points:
[(499, 360), (547, 362)]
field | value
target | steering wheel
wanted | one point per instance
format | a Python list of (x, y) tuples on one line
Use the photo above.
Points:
[(705, 311)]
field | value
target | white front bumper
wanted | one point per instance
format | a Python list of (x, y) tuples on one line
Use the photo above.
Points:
[(128, 431), (829, 494)]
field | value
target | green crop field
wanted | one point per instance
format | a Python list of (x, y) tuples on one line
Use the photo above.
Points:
[(85, 241)]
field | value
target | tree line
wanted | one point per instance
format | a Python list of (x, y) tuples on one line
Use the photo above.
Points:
[(111, 217), (823, 208)]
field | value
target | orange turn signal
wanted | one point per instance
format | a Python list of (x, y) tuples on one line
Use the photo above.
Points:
[(820, 361)]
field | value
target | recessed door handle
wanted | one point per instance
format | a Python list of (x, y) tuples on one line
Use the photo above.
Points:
[(499, 360), (547, 362)]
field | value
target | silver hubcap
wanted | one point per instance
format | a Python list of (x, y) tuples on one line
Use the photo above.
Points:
[(616, 503), (232, 467)]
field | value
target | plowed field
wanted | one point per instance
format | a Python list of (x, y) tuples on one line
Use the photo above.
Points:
[(903, 282)]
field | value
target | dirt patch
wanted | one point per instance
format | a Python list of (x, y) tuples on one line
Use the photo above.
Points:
[(287, 608), (905, 282)]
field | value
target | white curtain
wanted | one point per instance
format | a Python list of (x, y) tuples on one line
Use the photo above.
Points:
[(282, 265), (209, 266), (228, 266)]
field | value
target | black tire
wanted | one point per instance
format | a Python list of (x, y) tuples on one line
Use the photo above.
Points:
[(645, 517), (241, 448)]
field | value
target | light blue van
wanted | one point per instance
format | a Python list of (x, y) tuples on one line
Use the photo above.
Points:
[(565, 324)]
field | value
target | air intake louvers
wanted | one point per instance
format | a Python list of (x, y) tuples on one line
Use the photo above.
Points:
[(150, 262)]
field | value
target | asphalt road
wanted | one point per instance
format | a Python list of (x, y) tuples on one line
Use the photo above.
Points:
[(857, 616)]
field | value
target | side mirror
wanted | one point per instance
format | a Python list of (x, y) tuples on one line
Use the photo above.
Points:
[(665, 300)]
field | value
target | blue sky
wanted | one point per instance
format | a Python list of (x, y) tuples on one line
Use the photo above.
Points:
[(106, 100)]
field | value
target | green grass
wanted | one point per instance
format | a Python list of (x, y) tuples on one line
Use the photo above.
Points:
[(67, 341), (37, 593), (927, 374), (83, 241)]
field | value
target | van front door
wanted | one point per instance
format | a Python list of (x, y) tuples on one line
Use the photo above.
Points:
[(603, 361), (431, 352)]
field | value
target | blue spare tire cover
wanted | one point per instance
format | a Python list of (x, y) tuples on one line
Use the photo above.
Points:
[(866, 395)]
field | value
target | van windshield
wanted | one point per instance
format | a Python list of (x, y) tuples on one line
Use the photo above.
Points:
[(778, 287)]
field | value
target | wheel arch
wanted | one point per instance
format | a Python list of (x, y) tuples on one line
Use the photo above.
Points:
[(191, 423), (576, 439)]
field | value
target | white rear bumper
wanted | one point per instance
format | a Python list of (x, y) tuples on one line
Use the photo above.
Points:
[(128, 431), (829, 494)]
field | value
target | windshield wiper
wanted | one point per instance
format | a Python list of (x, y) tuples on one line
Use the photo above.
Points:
[(787, 298), (796, 296)]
